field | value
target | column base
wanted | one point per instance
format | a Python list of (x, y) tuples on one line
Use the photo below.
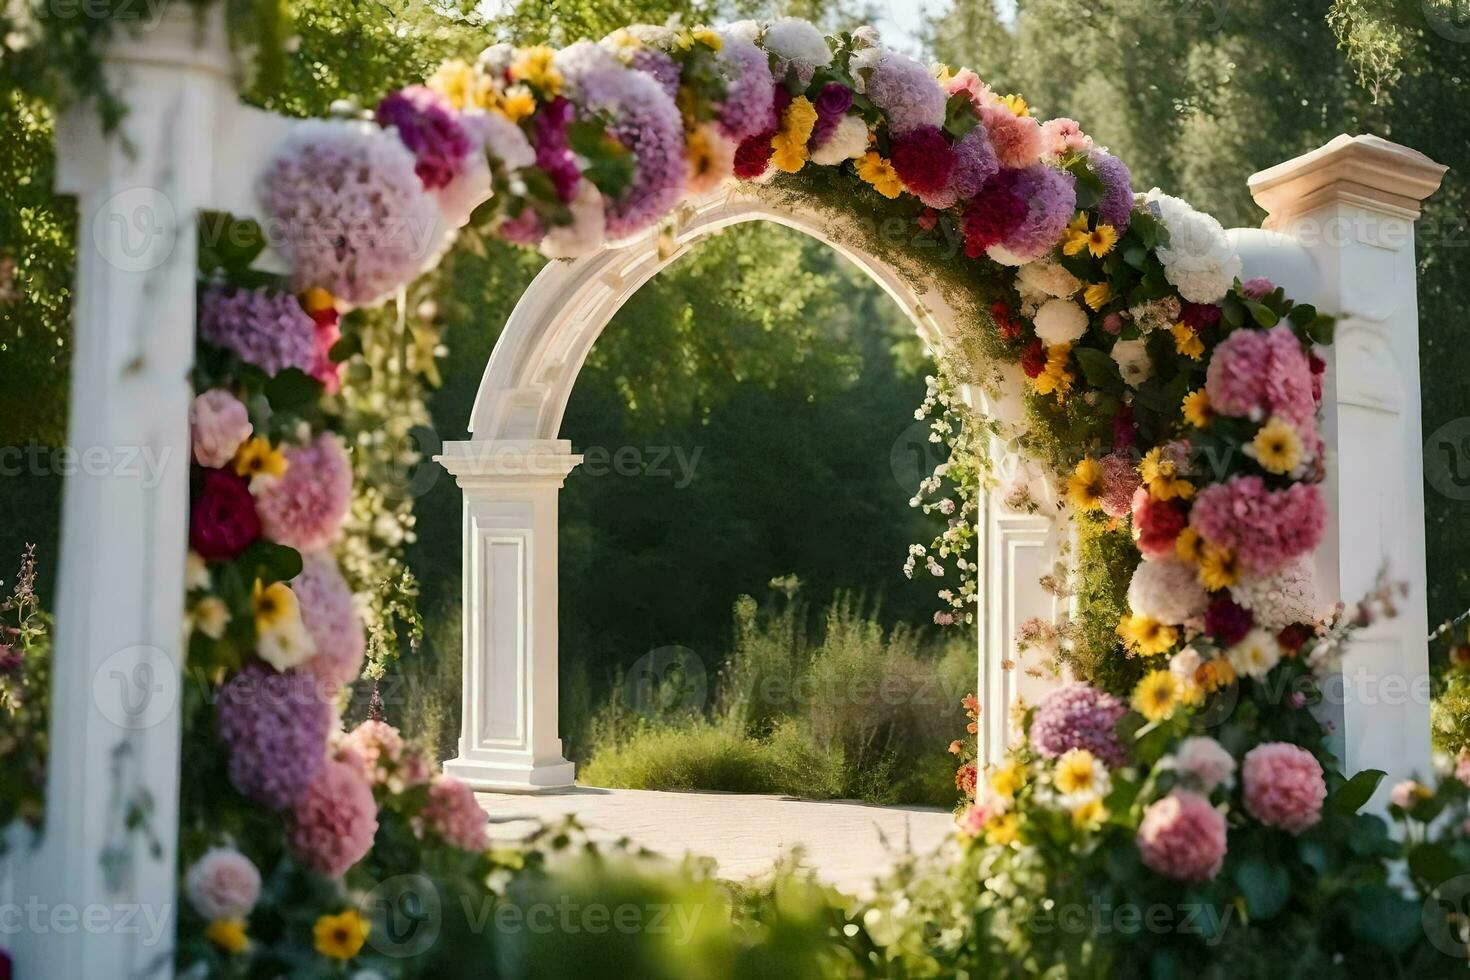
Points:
[(512, 775)]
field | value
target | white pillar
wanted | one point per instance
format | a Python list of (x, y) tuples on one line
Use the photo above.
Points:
[(114, 729), (1351, 207), (508, 736)]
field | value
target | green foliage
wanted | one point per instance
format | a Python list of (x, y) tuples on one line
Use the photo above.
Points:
[(25, 696), (1106, 557), (859, 712)]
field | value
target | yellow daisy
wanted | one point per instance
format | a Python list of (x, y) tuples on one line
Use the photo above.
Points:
[(535, 66), (1146, 635), (1003, 830), (788, 154), (1016, 104), (708, 37), (1277, 446), (1086, 486), (1076, 772), (275, 606), (515, 104), (1187, 342), (228, 934), (1157, 695), (1101, 240), (1218, 568), (1197, 408), (341, 936), (1214, 674), (1097, 294), (1089, 814), (1189, 547), (1006, 780), (879, 173), (257, 458), (1056, 378), (464, 87)]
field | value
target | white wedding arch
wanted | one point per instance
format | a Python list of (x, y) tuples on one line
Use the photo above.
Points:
[(1341, 235)]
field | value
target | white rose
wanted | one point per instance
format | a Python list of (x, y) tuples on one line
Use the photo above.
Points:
[(1133, 362), (1199, 260)]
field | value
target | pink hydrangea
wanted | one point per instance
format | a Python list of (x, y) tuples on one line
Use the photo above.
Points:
[(1265, 529), (305, 507), (908, 95), (1156, 524), (1120, 481), (1257, 373), (333, 824), (1079, 716), (1257, 288), (223, 884), (453, 814), (347, 209), (263, 327), (748, 108), (1283, 786), (330, 619), (374, 745), (1061, 136), (1017, 139), (218, 424), (274, 727), (973, 820), (1182, 837)]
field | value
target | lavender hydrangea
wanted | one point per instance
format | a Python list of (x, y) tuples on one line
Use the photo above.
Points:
[(1051, 200), (263, 327), (749, 106), (646, 121), (908, 95), (275, 727), (348, 210), (1116, 206), (428, 125), (1079, 717), (658, 66), (797, 45), (974, 164)]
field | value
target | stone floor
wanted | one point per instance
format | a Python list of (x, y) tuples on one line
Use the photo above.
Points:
[(848, 844)]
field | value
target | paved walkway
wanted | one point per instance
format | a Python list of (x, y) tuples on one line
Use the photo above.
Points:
[(847, 844)]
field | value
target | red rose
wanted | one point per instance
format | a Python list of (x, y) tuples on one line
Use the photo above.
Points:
[(1294, 637), (753, 156), (223, 521), (1009, 329), (1033, 359)]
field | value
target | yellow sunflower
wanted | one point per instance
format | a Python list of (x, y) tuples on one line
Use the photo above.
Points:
[(1157, 695), (1003, 830), (1146, 635), (257, 458), (1086, 486), (1189, 547), (1218, 568), (1006, 780), (1097, 294), (1277, 446), (879, 173), (1076, 772), (1057, 377), (1197, 408), (341, 936)]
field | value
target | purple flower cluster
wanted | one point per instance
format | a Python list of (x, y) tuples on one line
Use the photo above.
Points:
[(1051, 200), (275, 728), (748, 108), (657, 65), (330, 619), (1116, 206), (428, 125), (908, 95), (553, 155), (262, 327), (974, 164), (1079, 717), (831, 104)]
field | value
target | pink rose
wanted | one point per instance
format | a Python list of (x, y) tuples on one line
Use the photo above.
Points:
[(1284, 786), (223, 884), (1182, 837), (218, 424)]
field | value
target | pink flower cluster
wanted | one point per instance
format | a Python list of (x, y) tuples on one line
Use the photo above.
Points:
[(1120, 482), (218, 424), (330, 619), (275, 728), (1079, 717), (1257, 373), (1283, 786), (223, 884), (1265, 529), (1182, 837), (385, 758), (453, 814), (748, 106), (333, 824), (305, 507)]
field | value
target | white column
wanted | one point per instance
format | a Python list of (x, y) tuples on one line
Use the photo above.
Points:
[(1351, 207), (114, 750), (509, 736)]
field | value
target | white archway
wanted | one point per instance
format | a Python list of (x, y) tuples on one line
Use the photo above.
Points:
[(513, 466)]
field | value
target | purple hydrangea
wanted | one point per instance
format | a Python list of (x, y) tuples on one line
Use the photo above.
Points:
[(748, 108), (659, 66), (1051, 200), (428, 125), (646, 121), (553, 154), (974, 164), (275, 727), (908, 95), (1079, 717), (1116, 206), (263, 327)]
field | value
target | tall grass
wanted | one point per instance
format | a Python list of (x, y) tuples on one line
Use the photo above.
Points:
[(843, 709)]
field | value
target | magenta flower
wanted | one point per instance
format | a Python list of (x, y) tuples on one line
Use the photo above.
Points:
[(1116, 206), (223, 520), (305, 507), (1228, 621), (428, 125), (453, 814), (1258, 373), (274, 727), (1265, 529)]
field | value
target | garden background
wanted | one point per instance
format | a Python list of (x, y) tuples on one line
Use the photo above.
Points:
[(768, 386)]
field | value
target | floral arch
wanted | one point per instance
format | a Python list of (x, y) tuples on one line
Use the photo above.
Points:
[(1185, 408)]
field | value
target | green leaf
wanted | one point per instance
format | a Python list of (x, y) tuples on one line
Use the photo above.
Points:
[(1263, 315), (1433, 863), (1351, 795), (1136, 256), (346, 346), (959, 115), (1266, 886), (293, 390), (1321, 329), (1384, 918), (1099, 368), (270, 562)]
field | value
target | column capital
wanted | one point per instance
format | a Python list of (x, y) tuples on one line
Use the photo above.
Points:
[(500, 460), (1367, 171)]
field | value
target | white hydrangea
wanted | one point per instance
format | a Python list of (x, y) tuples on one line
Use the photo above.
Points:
[(1205, 762), (1167, 590), (1277, 601), (588, 228), (1133, 362), (1199, 259), (1046, 278), (867, 52), (797, 43), (745, 30), (496, 60), (847, 142), (1255, 654), (503, 139), (1060, 321), (1004, 256)]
